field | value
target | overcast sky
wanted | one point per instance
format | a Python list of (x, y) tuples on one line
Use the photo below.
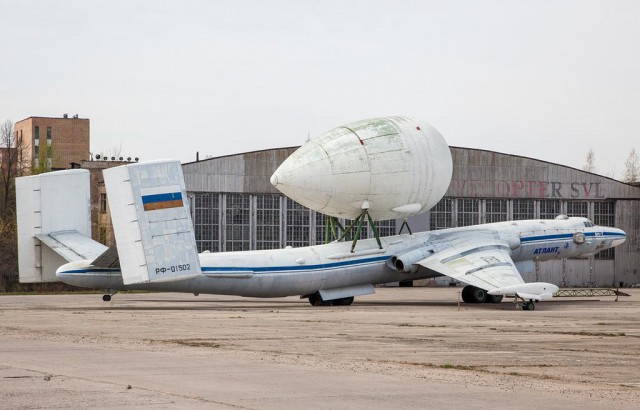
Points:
[(165, 79)]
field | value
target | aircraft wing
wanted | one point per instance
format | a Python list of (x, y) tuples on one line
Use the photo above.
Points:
[(478, 258)]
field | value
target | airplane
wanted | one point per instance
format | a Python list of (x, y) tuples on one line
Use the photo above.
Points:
[(156, 247)]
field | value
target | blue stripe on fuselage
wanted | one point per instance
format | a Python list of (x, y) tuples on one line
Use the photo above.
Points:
[(332, 265), (546, 238), (267, 269)]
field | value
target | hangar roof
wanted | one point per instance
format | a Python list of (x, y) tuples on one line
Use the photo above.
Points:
[(477, 173)]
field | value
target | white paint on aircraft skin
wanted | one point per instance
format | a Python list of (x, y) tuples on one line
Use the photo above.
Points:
[(478, 255), (394, 167)]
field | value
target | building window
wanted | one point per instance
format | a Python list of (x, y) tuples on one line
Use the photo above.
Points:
[(36, 133), (604, 215), (206, 221), (468, 212), (440, 215), (321, 226), (386, 228), (238, 223), (297, 224), (578, 208), (496, 210), (268, 222), (364, 232), (103, 202), (48, 135), (523, 209), (549, 209)]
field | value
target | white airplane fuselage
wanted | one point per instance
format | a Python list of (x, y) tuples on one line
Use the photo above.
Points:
[(303, 271)]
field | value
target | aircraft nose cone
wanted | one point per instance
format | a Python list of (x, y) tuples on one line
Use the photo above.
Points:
[(620, 239), (306, 176)]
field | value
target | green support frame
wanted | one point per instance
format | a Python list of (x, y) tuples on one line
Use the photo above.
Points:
[(335, 231)]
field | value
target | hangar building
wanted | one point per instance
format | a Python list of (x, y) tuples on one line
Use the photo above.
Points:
[(234, 207)]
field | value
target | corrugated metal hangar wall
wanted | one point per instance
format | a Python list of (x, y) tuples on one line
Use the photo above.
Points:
[(235, 208)]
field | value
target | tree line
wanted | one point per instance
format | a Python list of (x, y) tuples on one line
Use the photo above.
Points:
[(13, 164), (631, 172)]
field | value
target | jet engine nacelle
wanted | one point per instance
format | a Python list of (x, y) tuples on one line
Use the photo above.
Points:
[(394, 167), (407, 261)]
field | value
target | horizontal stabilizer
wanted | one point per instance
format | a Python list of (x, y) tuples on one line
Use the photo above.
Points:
[(72, 246), (107, 259)]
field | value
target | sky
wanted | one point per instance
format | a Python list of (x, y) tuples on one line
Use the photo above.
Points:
[(166, 79)]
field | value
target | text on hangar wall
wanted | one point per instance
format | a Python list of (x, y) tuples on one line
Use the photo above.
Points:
[(527, 189)]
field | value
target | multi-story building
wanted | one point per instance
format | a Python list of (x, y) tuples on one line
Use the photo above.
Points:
[(101, 227), (53, 143)]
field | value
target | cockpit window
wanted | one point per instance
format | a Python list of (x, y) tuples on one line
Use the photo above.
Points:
[(588, 224)]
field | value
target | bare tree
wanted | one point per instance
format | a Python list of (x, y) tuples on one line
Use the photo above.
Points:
[(631, 168), (12, 165), (113, 152), (9, 253), (590, 162)]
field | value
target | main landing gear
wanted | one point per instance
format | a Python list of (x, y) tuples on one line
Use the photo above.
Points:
[(526, 304), (472, 294), (316, 300)]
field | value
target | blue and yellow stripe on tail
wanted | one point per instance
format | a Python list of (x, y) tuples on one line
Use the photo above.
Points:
[(162, 201)]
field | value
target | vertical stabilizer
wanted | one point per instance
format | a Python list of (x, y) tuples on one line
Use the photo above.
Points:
[(49, 203), (151, 221)]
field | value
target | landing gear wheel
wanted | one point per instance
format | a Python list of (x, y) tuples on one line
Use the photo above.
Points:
[(316, 300), (466, 294), (528, 306), (106, 298), (494, 298), (343, 301), (479, 295)]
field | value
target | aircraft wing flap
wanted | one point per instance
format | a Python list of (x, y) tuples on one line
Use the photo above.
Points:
[(72, 246), (478, 259)]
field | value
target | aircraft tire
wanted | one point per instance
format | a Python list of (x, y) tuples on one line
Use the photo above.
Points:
[(316, 300), (479, 295), (528, 306), (467, 297), (343, 301), (494, 298), (106, 298)]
